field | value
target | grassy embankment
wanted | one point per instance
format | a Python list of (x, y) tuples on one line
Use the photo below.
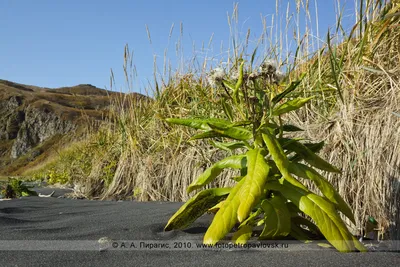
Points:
[(354, 74)]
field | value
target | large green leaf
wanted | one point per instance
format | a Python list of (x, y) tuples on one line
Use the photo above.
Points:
[(279, 157), (310, 157), (277, 218), (200, 124), (322, 212), (291, 105), (257, 173), (195, 207), (225, 218), (324, 186), (237, 133), (235, 162), (314, 147), (243, 234)]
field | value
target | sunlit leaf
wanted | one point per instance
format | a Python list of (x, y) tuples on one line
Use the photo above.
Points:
[(279, 157), (324, 186), (234, 162), (225, 218), (243, 234), (257, 173), (322, 212), (237, 133), (195, 207), (310, 157)]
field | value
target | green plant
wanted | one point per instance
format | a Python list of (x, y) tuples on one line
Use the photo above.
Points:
[(268, 191), (15, 188), (39, 176), (55, 176)]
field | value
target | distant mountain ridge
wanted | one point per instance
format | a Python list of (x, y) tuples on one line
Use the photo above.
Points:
[(80, 89), (35, 119)]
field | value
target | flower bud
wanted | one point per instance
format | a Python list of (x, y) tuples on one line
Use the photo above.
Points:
[(268, 67)]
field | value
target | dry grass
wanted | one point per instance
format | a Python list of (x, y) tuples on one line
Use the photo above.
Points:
[(362, 134)]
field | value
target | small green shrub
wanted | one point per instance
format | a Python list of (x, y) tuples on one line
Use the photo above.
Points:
[(15, 189), (109, 171), (55, 176), (39, 176), (268, 191)]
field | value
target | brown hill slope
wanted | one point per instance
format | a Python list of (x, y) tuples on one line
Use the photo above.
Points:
[(35, 120)]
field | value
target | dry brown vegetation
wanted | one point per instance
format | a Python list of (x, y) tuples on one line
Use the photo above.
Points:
[(362, 133)]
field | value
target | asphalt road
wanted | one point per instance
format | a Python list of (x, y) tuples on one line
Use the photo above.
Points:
[(55, 231)]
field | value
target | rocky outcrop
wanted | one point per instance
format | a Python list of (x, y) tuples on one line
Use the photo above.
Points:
[(35, 121), (37, 127), (28, 124), (10, 118)]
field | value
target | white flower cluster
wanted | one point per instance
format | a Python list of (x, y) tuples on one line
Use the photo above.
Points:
[(268, 69), (216, 76)]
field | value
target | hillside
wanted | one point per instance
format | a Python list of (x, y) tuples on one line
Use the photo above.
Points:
[(34, 121)]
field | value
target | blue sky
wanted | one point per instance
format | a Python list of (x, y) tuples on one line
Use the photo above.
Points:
[(63, 43)]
